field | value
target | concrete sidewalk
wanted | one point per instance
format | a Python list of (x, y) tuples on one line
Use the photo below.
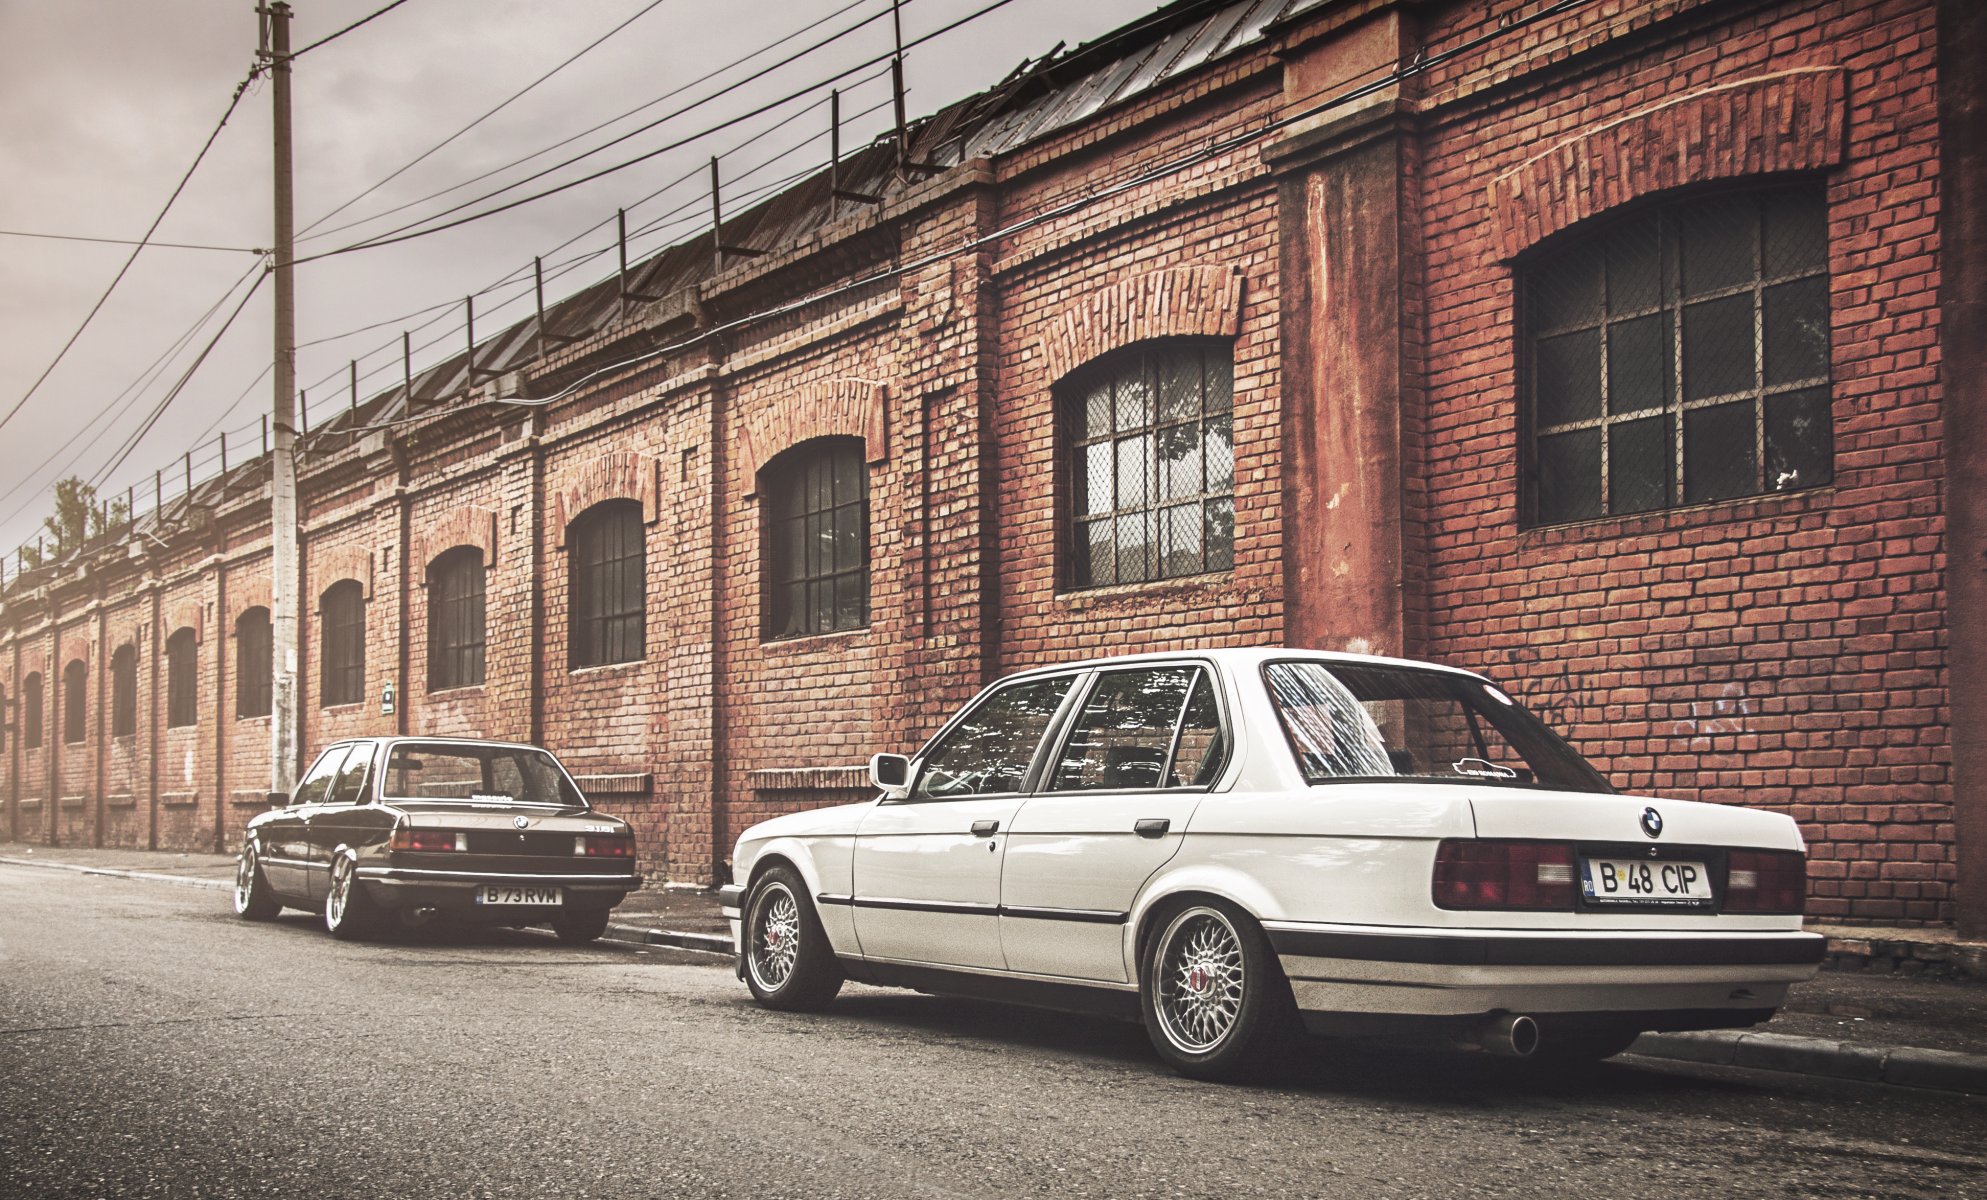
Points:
[(1863, 1019)]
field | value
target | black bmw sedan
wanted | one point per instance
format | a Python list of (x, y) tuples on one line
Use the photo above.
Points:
[(413, 829)]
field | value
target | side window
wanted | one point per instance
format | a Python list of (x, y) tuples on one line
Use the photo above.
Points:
[(1200, 750), (350, 787), (317, 782), (989, 751), (1124, 737)]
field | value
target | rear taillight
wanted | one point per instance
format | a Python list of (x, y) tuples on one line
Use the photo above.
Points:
[(1487, 873), (429, 839), (1766, 881), (604, 847)]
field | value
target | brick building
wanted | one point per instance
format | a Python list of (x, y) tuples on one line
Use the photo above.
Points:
[(1612, 347)]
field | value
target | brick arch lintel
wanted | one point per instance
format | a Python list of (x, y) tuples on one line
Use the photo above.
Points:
[(1182, 302), (334, 566), (75, 646), (187, 614), (468, 525), (1791, 120), (246, 592), (616, 475), (846, 407)]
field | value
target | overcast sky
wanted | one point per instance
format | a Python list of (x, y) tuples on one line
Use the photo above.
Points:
[(103, 103)]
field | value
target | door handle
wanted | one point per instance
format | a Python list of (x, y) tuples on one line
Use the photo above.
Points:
[(985, 828), (1151, 827)]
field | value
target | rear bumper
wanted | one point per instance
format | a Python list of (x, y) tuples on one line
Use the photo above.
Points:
[(1444, 972), (454, 892)]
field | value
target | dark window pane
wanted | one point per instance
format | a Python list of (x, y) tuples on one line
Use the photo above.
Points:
[(31, 711), (1639, 458), (1569, 378), (1638, 364), (253, 683), (343, 645), (1220, 455), (1796, 232), (1717, 347), (124, 691), (1800, 448), (1180, 531), (1097, 554), (182, 684), (1124, 736), (1179, 387), (815, 559), (1716, 241), (1218, 378), (1097, 411), (1134, 396), (1567, 289), (1179, 462), (989, 751), (1634, 268), (1098, 496), (1134, 547), (1569, 466), (1796, 331), (455, 619), (1719, 459), (1219, 534), (74, 693)]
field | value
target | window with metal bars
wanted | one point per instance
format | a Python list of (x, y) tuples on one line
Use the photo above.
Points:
[(342, 644), (1151, 463), (609, 585), (815, 553), (182, 681), (75, 678), (31, 711), (124, 691), (455, 619), (253, 675), (1679, 356)]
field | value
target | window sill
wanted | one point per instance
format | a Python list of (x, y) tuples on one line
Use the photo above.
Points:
[(179, 799), (342, 707), (74, 801), (28, 802), (259, 717), (171, 729), (810, 642), (121, 800), (612, 668), (1211, 583), (1716, 512), (467, 691)]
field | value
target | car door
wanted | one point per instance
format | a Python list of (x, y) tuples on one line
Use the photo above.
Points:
[(286, 858), (927, 867), (343, 818), (1139, 753)]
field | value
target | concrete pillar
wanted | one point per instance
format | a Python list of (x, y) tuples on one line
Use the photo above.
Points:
[(1962, 58)]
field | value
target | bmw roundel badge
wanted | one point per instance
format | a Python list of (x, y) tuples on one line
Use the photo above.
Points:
[(1652, 822), (520, 822)]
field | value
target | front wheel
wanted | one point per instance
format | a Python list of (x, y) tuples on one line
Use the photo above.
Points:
[(254, 901), (1214, 999), (348, 912), (788, 962)]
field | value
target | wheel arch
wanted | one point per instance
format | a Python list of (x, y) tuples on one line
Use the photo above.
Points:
[(1174, 890)]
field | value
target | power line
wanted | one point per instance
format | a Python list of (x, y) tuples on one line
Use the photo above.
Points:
[(673, 92), (332, 37), (418, 159), (138, 249), (75, 237)]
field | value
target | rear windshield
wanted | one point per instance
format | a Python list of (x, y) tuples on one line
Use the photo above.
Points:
[(483, 774), (1349, 722)]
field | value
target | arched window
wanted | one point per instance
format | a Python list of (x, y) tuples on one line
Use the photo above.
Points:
[(455, 619), (815, 549), (254, 674), (182, 679), (1679, 355), (607, 571), (1151, 463), (75, 678), (342, 645), (124, 691), (31, 711)]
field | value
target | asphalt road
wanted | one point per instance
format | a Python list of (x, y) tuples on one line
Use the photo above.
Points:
[(151, 1045)]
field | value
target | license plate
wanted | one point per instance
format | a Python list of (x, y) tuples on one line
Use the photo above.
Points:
[(1645, 881), (493, 894)]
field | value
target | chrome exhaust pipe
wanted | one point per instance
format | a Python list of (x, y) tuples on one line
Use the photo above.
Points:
[(1511, 1035)]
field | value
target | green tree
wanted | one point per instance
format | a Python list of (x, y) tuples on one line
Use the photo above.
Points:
[(78, 517)]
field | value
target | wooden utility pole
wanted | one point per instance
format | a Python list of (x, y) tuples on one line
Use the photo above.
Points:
[(283, 724)]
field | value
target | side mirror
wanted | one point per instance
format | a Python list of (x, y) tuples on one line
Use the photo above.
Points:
[(279, 799), (891, 774)]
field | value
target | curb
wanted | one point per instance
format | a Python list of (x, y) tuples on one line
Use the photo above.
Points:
[(114, 873), (1901, 1066), (708, 943)]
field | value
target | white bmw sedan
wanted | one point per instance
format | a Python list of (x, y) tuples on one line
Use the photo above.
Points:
[(1238, 845)]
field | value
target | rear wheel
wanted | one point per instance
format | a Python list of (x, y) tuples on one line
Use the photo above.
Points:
[(254, 901), (1214, 999), (348, 913), (788, 962), (575, 928)]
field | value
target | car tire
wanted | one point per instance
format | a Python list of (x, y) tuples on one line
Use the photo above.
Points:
[(1584, 1047), (578, 928), (254, 901), (1212, 994), (788, 963), (348, 912)]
